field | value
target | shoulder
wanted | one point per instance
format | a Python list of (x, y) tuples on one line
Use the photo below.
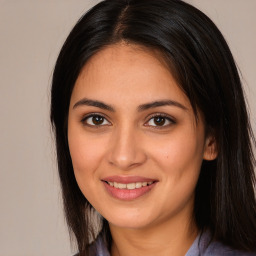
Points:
[(216, 248), (97, 248), (203, 246)]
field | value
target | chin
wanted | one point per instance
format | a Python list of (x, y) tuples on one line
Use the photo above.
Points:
[(130, 224), (130, 219)]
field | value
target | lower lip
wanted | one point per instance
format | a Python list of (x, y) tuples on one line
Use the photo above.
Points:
[(128, 194)]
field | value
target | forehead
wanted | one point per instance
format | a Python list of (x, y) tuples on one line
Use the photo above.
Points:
[(128, 67), (126, 56)]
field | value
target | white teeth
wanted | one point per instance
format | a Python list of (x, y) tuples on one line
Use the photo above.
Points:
[(129, 185), (138, 185), (121, 186), (144, 184)]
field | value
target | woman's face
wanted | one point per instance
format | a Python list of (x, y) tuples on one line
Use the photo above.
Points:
[(135, 145)]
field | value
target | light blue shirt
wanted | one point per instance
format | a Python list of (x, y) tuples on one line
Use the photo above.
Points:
[(200, 247)]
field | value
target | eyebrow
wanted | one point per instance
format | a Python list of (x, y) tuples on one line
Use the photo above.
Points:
[(143, 107), (160, 104), (94, 103)]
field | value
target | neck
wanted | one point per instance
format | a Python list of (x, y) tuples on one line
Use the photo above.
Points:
[(173, 237)]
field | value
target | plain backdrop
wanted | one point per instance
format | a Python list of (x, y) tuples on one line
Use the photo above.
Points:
[(31, 34)]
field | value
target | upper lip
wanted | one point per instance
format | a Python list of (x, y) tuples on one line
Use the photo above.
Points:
[(127, 179)]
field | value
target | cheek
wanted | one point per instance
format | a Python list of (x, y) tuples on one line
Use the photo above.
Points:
[(83, 154), (86, 154), (86, 157), (180, 160), (84, 149), (179, 151)]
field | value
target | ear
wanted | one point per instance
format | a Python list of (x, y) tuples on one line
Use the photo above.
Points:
[(210, 148)]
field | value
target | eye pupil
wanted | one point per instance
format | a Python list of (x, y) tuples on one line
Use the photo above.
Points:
[(97, 120), (159, 120)]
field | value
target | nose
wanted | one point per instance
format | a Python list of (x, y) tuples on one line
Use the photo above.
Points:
[(126, 150)]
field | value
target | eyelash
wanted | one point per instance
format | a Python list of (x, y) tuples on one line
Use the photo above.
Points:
[(161, 115), (157, 115), (85, 120)]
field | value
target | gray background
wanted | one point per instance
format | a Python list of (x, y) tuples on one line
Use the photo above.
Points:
[(31, 34)]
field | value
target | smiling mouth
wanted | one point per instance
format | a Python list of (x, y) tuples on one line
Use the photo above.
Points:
[(129, 186)]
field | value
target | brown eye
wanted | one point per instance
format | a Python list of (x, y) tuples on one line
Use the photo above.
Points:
[(96, 120), (160, 121)]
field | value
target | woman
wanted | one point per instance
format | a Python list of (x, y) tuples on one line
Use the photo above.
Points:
[(152, 133)]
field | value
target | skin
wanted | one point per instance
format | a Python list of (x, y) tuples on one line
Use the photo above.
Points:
[(129, 142)]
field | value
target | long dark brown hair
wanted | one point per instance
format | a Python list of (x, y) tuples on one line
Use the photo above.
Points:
[(204, 68)]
